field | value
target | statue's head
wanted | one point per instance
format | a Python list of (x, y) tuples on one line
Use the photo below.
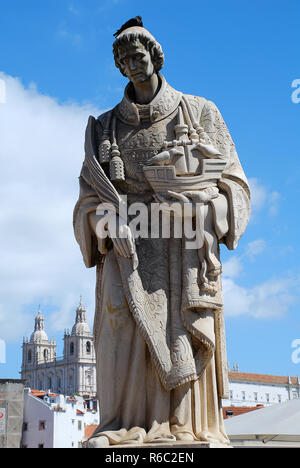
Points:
[(137, 53)]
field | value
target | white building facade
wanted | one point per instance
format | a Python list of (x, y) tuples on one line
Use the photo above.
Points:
[(56, 421), (74, 373), (259, 389)]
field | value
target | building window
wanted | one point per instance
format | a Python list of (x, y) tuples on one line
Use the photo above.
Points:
[(268, 397), (25, 427), (29, 380), (231, 394), (89, 380), (41, 446), (45, 354), (79, 425), (243, 395), (72, 348), (279, 398), (88, 347), (255, 396), (29, 356), (42, 425)]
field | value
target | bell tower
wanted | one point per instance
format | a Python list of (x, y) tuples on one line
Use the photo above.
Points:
[(37, 351), (79, 352)]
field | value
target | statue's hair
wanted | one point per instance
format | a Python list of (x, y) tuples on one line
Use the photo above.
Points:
[(148, 42)]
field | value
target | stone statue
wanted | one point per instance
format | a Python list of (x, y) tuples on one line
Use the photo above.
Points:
[(159, 325)]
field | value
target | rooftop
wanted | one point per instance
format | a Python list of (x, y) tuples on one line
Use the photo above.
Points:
[(230, 411), (15, 381), (89, 431), (235, 376)]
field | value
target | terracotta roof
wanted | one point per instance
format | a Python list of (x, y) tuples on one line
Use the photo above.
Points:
[(89, 431), (80, 413), (37, 393), (236, 410), (262, 378), (41, 393)]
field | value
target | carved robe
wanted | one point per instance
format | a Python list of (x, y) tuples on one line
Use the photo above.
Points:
[(159, 336)]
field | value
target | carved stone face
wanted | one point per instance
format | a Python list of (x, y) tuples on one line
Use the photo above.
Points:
[(136, 62)]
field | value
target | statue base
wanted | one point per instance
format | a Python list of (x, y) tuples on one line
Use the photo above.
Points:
[(170, 445)]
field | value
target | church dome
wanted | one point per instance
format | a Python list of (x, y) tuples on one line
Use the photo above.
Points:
[(39, 333), (38, 336), (80, 327)]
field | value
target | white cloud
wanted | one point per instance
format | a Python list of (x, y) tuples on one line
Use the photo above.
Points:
[(255, 248), (258, 194), (267, 300), (74, 10), (272, 298), (261, 198), (41, 150), (274, 202), (232, 268), (74, 38)]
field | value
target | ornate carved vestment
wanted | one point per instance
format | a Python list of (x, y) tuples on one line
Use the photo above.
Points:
[(181, 347)]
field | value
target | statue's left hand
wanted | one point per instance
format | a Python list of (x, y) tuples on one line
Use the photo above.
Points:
[(192, 196)]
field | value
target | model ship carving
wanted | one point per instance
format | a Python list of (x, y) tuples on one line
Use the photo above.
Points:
[(164, 178), (185, 163)]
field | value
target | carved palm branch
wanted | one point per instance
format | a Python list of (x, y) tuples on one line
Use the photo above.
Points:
[(101, 183)]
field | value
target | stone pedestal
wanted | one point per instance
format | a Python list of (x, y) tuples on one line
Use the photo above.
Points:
[(175, 445), (171, 445)]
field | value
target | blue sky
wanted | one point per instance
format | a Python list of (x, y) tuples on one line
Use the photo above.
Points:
[(57, 65)]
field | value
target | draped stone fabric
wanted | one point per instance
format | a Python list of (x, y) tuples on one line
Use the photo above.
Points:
[(159, 335)]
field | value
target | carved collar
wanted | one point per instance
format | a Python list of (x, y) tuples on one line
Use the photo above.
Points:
[(164, 103)]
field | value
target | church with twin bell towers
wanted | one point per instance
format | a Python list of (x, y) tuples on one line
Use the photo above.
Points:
[(72, 374)]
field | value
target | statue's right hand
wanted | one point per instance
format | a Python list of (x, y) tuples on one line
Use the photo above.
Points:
[(111, 225), (122, 239)]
